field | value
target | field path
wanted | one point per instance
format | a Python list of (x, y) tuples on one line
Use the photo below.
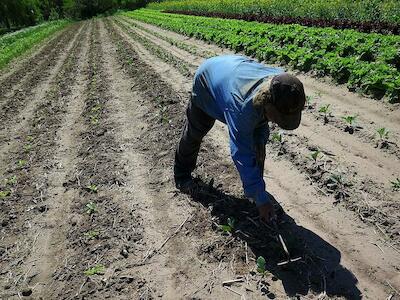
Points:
[(91, 211)]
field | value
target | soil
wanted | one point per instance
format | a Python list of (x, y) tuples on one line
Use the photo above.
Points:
[(91, 212)]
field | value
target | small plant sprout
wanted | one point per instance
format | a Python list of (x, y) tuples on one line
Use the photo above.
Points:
[(315, 155), (229, 227), (350, 120), (337, 183), (383, 133), (21, 163), (4, 194), (96, 270), (27, 148), (92, 234), (91, 208), (326, 111), (396, 184), (309, 102), (277, 137), (92, 188), (11, 180), (261, 265)]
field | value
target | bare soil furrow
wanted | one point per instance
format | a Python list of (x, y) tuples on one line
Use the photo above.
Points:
[(20, 109), (105, 228), (33, 64), (22, 209), (356, 263), (364, 185)]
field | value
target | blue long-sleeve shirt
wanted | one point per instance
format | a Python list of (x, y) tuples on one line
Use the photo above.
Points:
[(224, 87)]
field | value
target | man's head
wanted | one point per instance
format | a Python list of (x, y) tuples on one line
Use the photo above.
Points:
[(285, 101)]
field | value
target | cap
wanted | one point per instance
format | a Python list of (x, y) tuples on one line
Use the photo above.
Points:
[(289, 99)]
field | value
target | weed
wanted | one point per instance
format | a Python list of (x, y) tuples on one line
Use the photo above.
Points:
[(396, 184), (277, 137), (96, 270), (315, 154), (326, 111), (91, 208), (383, 133), (92, 234), (229, 227), (92, 188), (11, 180), (4, 194), (261, 265), (27, 148), (21, 163)]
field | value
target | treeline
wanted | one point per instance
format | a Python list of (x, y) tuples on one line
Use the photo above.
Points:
[(20, 13)]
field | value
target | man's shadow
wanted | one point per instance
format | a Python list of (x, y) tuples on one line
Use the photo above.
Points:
[(319, 269)]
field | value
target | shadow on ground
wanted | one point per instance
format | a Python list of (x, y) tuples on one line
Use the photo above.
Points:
[(319, 269)]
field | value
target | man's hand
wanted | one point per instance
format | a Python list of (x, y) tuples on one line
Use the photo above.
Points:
[(267, 212)]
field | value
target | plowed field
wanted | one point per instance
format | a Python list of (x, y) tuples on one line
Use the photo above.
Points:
[(89, 125)]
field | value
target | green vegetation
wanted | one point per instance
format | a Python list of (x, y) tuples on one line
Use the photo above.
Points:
[(229, 227), (21, 163), (350, 120), (96, 270), (277, 137), (383, 133), (315, 155), (396, 184), (92, 234), (361, 11), (92, 188), (261, 265), (4, 194), (368, 63), (15, 44), (91, 208)]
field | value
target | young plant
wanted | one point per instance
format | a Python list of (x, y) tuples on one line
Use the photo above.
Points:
[(383, 133), (277, 137), (96, 270), (91, 208), (229, 227), (261, 265), (309, 102), (396, 184), (4, 194), (27, 148), (92, 188), (315, 155), (337, 182), (92, 234), (21, 163), (11, 180), (350, 120), (326, 111)]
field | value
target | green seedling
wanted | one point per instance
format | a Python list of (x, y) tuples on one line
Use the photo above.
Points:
[(277, 137), (229, 227), (12, 180), (4, 194), (29, 138), (21, 163), (94, 120), (96, 270), (315, 154), (350, 120), (27, 148), (92, 188), (92, 234), (91, 208), (396, 184), (326, 111), (261, 265), (383, 133), (309, 101)]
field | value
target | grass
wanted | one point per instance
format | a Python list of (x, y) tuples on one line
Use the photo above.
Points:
[(14, 44)]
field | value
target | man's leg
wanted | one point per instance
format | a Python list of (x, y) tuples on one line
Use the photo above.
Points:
[(198, 124)]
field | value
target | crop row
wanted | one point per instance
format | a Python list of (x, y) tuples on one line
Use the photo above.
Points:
[(351, 13), (368, 63), (15, 44)]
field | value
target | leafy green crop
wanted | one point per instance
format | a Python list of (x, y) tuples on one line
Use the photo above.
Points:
[(91, 208), (261, 265), (383, 133), (396, 184), (350, 119), (4, 194), (229, 227), (96, 270), (15, 44), (368, 63)]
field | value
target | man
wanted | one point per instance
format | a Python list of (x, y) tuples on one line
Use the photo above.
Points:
[(245, 95)]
